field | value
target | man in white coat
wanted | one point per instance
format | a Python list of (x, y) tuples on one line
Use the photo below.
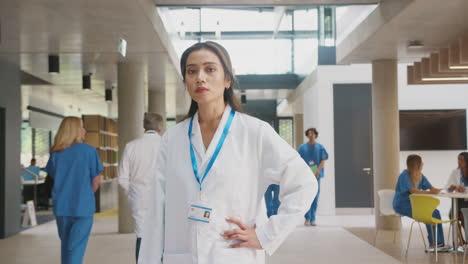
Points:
[(137, 168)]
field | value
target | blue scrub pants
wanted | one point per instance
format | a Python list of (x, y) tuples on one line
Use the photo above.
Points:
[(74, 234), (272, 199), (310, 215), (137, 248), (430, 229)]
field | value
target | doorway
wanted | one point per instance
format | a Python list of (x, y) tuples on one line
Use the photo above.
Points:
[(352, 104)]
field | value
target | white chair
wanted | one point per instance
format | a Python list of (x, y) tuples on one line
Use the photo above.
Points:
[(386, 208)]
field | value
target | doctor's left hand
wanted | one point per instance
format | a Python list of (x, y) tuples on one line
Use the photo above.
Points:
[(246, 234)]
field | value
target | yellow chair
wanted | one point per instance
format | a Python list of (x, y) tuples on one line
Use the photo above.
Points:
[(422, 207)]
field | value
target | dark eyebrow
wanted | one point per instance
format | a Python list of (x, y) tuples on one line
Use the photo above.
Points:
[(206, 63)]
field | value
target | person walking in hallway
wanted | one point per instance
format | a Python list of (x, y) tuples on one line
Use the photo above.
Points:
[(137, 169), (212, 172), (315, 155), (75, 168)]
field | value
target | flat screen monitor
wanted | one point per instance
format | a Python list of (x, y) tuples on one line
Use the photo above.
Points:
[(433, 129)]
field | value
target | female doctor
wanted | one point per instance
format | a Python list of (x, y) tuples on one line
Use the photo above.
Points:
[(458, 181), (213, 169)]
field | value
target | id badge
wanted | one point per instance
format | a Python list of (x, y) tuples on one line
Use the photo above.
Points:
[(199, 213)]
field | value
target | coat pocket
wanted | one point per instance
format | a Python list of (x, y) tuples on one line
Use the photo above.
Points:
[(184, 258), (234, 255)]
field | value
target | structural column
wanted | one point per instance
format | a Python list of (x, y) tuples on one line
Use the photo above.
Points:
[(131, 103), (385, 133), (157, 102), (298, 130), (10, 146)]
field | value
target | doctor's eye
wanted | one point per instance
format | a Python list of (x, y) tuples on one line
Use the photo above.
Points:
[(191, 71)]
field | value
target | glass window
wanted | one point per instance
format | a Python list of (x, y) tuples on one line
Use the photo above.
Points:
[(42, 146), (286, 129), (305, 19), (251, 53), (185, 20), (259, 56), (305, 55), (236, 20), (26, 144)]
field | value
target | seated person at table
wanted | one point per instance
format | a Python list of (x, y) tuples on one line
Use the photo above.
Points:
[(412, 181), (32, 168), (458, 181)]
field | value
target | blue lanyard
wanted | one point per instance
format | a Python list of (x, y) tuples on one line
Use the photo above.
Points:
[(215, 154)]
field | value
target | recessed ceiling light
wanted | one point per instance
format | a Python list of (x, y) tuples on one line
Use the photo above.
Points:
[(54, 64), (446, 79), (87, 81), (458, 67), (415, 44)]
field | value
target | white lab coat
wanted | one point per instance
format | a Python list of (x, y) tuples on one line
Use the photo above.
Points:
[(253, 157), (136, 170), (455, 179)]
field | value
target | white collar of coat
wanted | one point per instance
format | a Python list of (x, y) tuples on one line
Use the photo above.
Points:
[(198, 141)]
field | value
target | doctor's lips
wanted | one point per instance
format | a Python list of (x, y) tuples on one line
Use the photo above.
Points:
[(201, 90)]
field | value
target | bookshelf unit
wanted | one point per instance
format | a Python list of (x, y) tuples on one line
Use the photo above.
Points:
[(102, 134)]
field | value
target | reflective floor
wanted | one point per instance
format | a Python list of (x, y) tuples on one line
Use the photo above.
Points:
[(336, 239)]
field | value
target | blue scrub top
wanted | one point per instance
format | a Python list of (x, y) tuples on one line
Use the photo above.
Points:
[(313, 155), (33, 169), (73, 170), (401, 201)]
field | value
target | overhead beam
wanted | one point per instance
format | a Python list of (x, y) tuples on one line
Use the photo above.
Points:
[(301, 34), (269, 81), (261, 2), (279, 12)]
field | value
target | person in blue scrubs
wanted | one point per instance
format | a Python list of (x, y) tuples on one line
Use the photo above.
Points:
[(412, 181), (32, 168), (272, 199), (75, 168), (315, 155)]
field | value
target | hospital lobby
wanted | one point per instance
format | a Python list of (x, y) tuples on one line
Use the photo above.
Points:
[(379, 79)]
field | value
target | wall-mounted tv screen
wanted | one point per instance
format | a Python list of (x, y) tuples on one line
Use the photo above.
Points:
[(433, 129)]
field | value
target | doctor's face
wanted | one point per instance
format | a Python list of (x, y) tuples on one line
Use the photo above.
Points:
[(461, 162), (204, 77)]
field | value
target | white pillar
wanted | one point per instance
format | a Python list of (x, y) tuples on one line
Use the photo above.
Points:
[(157, 102), (298, 130), (385, 133), (131, 104)]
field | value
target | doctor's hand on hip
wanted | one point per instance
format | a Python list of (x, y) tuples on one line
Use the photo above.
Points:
[(244, 233)]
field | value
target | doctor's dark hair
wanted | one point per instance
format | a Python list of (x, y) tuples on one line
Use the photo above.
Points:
[(464, 155), (223, 56), (313, 129)]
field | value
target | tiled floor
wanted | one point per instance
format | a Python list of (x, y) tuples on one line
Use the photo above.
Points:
[(337, 239)]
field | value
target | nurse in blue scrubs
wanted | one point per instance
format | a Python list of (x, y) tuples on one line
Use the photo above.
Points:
[(75, 168), (412, 181), (315, 155)]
